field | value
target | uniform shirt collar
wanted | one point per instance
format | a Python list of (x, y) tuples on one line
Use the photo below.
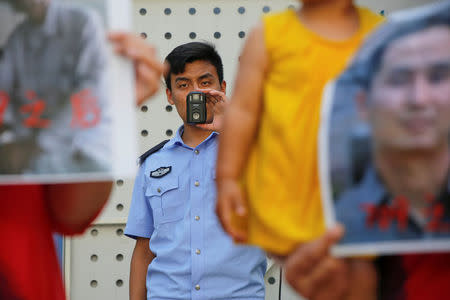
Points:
[(50, 25), (372, 182), (178, 141), (380, 196)]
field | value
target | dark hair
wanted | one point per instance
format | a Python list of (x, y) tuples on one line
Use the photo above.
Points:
[(401, 30), (379, 54), (188, 53), (368, 60)]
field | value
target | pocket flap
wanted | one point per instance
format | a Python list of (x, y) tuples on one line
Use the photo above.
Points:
[(161, 186)]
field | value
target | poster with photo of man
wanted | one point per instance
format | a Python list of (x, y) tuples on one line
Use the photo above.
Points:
[(384, 144), (60, 93)]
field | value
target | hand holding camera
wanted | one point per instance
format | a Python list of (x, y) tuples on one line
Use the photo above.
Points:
[(205, 108), (196, 112)]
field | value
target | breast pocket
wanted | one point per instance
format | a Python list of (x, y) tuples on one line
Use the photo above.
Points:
[(166, 200)]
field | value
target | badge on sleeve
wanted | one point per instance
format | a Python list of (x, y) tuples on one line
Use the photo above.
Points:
[(160, 172)]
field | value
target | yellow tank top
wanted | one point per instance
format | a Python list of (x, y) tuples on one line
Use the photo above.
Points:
[(281, 180)]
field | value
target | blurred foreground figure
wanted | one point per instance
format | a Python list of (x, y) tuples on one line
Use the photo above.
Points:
[(29, 268), (404, 70), (270, 134), (54, 74)]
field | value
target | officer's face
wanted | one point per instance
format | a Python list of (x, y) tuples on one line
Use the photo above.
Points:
[(408, 106), (197, 75)]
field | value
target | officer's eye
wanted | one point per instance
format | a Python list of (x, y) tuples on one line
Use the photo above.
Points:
[(439, 74), (206, 83), (399, 78), (182, 85)]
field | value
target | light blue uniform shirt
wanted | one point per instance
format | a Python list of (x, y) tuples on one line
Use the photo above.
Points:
[(195, 258)]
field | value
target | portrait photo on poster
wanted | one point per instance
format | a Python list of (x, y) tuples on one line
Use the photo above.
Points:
[(66, 99), (385, 136)]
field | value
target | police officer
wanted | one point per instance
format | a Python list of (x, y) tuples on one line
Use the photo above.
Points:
[(181, 251), (31, 213), (405, 71)]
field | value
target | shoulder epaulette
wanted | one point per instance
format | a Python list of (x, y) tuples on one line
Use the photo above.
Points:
[(158, 147)]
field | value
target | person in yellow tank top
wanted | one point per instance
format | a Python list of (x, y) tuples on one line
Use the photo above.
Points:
[(267, 168)]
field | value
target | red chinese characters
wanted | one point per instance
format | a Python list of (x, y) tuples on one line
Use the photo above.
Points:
[(436, 213), (383, 215), (35, 109), (86, 112), (4, 101)]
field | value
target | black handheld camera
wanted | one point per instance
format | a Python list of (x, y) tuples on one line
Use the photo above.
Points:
[(196, 108)]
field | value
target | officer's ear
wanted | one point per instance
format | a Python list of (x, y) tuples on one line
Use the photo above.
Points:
[(169, 96), (362, 104), (223, 87)]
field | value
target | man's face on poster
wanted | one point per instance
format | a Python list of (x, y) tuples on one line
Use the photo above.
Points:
[(408, 102)]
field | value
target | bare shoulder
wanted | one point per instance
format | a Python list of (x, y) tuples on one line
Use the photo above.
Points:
[(254, 53)]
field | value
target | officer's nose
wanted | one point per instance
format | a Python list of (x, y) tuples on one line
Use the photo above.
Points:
[(420, 92), (196, 87)]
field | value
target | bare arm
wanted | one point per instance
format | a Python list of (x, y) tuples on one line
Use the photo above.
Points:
[(72, 207), (241, 123), (142, 257), (242, 116)]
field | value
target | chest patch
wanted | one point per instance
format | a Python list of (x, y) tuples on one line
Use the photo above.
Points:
[(160, 172)]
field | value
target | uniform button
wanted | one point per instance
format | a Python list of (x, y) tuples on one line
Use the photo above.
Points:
[(197, 218), (197, 287), (197, 183), (159, 190), (196, 152), (197, 251)]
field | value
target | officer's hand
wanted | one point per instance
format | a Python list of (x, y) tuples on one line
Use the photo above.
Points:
[(230, 203), (216, 101), (147, 66), (317, 275)]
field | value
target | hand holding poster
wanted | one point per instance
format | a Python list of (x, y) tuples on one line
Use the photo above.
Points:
[(385, 152), (60, 94)]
